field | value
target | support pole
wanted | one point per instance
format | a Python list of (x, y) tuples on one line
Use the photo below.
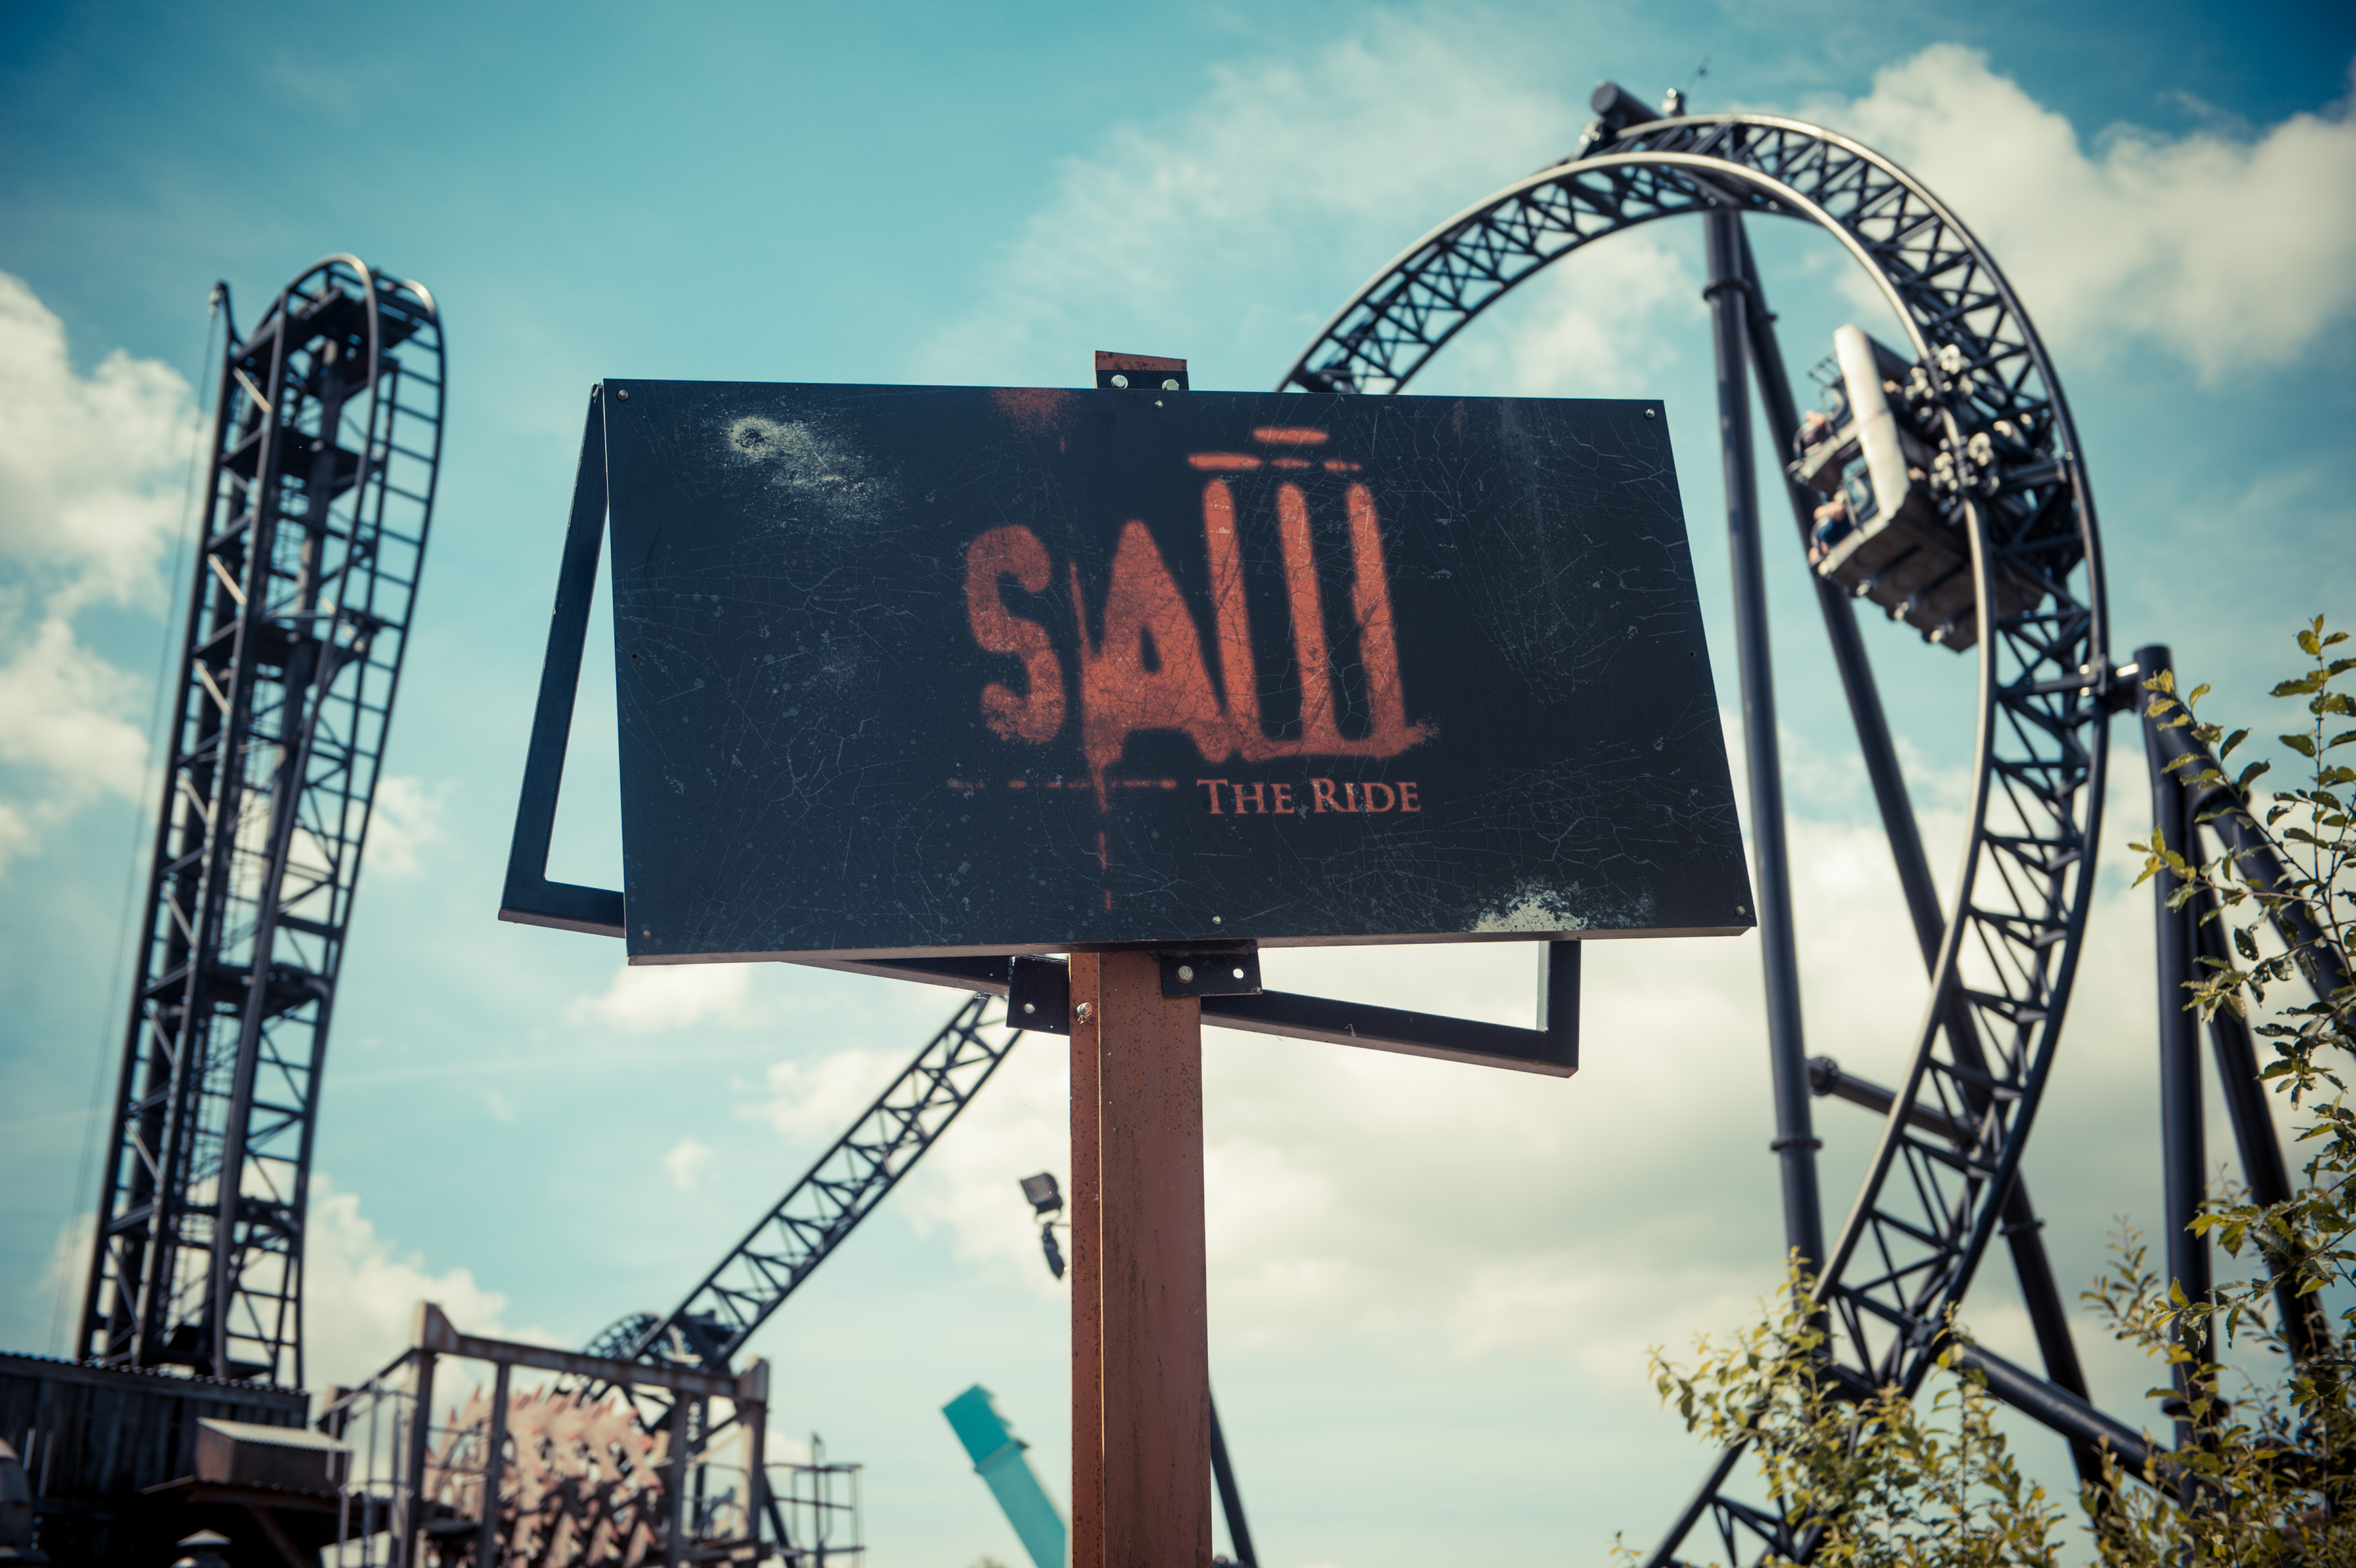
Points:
[(417, 1443), (753, 1417), (1231, 1498), (2263, 1166), (494, 1445), (1795, 1142), (2258, 864), (1139, 1333), (674, 1494), (1873, 742), (2183, 1179)]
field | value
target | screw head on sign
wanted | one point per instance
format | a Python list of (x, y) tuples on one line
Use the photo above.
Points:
[(1648, 413), (1121, 382), (622, 393), (1084, 1012), (1185, 972), (1215, 920), (1240, 973), (1170, 386), (1029, 1007)]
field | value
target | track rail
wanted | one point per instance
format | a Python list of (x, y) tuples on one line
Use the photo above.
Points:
[(2010, 481)]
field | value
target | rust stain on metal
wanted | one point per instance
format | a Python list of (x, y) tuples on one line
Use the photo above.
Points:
[(1152, 362)]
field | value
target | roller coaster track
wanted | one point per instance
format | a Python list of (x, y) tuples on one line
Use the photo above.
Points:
[(2010, 485), (327, 445)]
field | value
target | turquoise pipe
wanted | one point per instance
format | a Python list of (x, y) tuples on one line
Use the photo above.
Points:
[(998, 1459)]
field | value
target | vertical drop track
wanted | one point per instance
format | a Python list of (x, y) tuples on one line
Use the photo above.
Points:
[(326, 445)]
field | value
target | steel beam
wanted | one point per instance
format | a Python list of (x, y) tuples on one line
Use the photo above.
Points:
[(1140, 1307), (2183, 1157), (1231, 1497), (2304, 1324), (1795, 1142), (1874, 745), (2221, 809)]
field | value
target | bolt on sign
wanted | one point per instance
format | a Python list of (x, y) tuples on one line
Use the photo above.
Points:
[(912, 670)]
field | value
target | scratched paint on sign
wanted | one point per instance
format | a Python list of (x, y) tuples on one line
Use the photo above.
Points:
[(908, 669)]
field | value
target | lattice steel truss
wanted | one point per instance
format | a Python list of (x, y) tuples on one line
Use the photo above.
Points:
[(328, 440), (2009, 479)]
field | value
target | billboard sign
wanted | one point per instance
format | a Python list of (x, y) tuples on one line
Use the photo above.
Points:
[(911, 670)]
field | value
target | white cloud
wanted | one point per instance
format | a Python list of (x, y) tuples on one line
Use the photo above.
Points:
[(62, 710), (1228, 232), (92, 468), (1167, 239), (688, 1161), (1606, 324), (818, 1099), (58, 1290), (2229, 250), (15, 834), (361, 1293), (654, 997), (404, 820), (92, 478)]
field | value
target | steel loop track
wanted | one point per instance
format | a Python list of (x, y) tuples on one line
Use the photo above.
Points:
[(2017, 916)]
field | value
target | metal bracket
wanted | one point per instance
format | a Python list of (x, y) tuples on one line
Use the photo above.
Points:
[(1140, 372), (2122, 688), (530, 898), (1210, 970), (1039, 995)]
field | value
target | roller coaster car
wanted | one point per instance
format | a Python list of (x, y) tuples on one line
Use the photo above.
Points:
[(1878, 533)]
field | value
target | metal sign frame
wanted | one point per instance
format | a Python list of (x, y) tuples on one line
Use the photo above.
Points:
[(530, 898)]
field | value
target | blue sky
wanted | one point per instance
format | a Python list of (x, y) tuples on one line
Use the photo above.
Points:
[(1432, 1286)]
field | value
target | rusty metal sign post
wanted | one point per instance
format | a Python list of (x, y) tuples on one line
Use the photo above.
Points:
[(940, 683)]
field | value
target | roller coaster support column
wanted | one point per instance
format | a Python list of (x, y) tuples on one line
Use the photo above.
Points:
[(1231, 1499), (2183, 1183), (1796, 1141), (2253, 1119), (1881, 756), (1140, 1349)]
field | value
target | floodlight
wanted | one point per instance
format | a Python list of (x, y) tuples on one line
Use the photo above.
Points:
[(1046, 1197)]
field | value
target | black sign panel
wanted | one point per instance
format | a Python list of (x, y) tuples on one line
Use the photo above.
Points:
[(933, 670)]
